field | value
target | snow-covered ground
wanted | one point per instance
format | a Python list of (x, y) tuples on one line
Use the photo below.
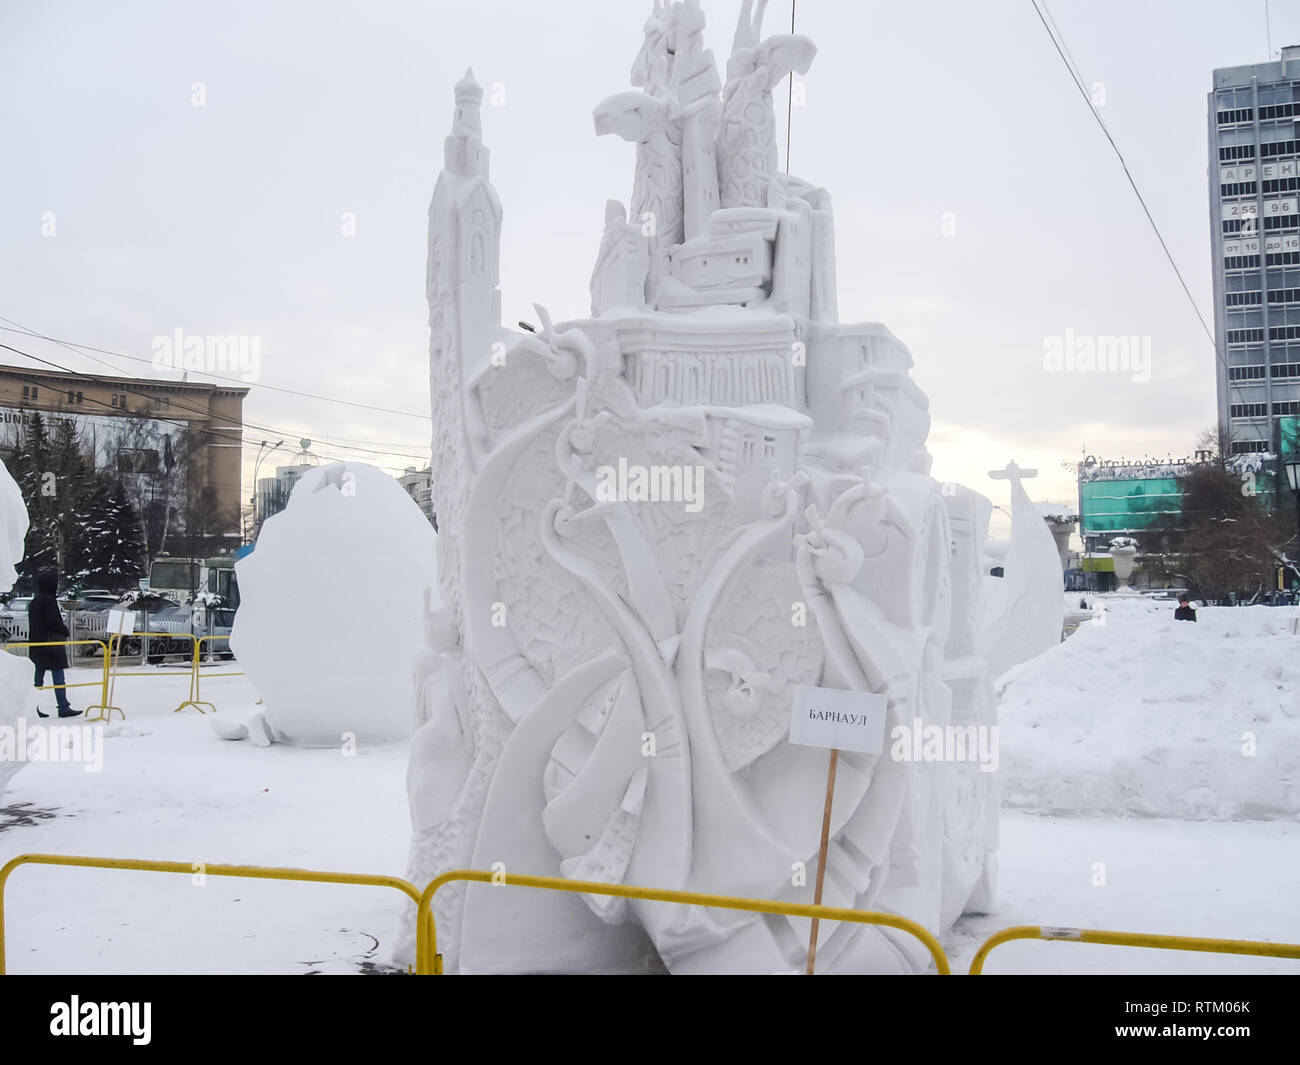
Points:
[(170, 789), (1137, 714)]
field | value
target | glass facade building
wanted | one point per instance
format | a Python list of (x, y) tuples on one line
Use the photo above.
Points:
[(1254, 171)]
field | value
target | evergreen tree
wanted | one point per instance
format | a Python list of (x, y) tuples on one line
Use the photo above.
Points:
[(111, 549), (81, 522)]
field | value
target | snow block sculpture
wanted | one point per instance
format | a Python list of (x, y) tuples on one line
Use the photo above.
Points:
[(653, 524), (15, 672), (332, 602), (1025, 608)]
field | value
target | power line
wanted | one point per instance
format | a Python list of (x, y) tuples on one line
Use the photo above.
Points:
[(81, 349), (789, 101), (391, 452), (194, 410), (1078, 83)]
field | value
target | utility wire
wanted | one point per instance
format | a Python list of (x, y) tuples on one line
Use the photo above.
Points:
[(1078, 83), (789, 101), (192, 410), (81, 349), (196, 410)]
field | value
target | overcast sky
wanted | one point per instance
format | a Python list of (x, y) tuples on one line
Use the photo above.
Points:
[(227, 218)]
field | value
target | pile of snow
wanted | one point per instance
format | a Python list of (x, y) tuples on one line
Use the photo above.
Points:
[(1139, 714), (15, 672), (332, 605), (1058, 511)]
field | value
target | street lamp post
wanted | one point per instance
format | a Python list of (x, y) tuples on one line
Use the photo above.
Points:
[(1293, 475), (265, 449)]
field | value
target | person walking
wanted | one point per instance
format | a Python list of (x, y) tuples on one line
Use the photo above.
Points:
[(45, 624), (1185, 612)]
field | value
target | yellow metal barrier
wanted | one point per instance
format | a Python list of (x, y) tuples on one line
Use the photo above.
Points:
[(429, 961), (194, 699), (105, 710), (254, 872), (1132, 939), (114, 672)]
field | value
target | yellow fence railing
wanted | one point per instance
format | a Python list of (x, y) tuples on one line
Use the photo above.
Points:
[(429, 961), (111, 649), (254, 872), (196, 670), (1131, 939), (113, 672), (103, 708)]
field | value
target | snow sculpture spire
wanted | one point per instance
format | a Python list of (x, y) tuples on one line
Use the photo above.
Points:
[(696, 85), (749, 29), (747, 140), (463, 151), (650, 68), (462, 286)]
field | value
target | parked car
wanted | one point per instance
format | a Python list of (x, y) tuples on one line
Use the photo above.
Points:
[(13, 619), (215, 621)]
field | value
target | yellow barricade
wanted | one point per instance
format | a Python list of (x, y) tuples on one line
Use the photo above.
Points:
[(105, 711), (194, 700), (429, 961), (1132, 939), (112, 672), (255, 872)]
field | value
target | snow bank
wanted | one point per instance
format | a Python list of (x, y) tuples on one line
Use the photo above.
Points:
[(331, 616), (1138, 714)]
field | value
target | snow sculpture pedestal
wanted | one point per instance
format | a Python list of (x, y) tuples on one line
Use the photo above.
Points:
[(657, 521), (1124, 553)]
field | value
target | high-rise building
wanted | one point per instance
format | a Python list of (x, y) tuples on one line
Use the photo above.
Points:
[(1254, 131)]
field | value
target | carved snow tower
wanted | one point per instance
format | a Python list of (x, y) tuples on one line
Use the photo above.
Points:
[(657, 521)]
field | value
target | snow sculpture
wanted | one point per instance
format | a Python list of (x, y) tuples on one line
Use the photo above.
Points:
[(329, 621), (656, 522), (1026, 606), (15, 672)]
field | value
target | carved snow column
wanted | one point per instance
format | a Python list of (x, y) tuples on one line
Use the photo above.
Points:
[(696, 85), (824, 301), (622, 264)]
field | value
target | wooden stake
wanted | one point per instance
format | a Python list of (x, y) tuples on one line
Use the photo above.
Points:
[(821, 856)]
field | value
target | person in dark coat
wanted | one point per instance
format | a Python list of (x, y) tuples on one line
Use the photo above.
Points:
[(45, 624), (1184, 611)]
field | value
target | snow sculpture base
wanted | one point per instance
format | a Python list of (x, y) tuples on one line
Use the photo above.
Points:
[(654, 523)]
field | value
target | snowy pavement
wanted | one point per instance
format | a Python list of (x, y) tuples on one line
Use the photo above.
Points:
[(170, 789)]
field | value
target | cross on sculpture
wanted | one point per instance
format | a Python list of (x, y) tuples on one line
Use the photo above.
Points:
[(1012, 473)]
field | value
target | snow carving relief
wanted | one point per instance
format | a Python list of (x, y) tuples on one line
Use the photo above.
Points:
[(655, 523)]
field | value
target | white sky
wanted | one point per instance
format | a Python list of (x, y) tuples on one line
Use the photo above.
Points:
[(225, 219)]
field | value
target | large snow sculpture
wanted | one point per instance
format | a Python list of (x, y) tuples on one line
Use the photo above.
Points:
[(655, 523), (15, 672), (332, 600)]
